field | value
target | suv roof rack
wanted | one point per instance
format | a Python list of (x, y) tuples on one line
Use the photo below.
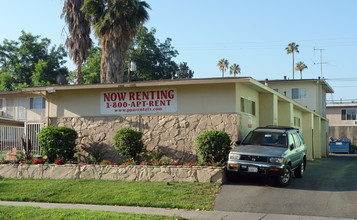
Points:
[(278, 127)]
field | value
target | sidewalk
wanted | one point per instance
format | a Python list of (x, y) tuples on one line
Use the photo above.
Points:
[(204, 215)]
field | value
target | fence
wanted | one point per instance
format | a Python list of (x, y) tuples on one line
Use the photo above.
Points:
[(10, 138)]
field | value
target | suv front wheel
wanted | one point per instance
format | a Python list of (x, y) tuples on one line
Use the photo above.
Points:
[(285, 178), (299, 172)]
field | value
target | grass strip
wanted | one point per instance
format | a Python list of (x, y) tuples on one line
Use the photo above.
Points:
[(110, 192), (27, 212)]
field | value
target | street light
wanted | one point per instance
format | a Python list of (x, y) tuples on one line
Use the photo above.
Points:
[(132, 66)]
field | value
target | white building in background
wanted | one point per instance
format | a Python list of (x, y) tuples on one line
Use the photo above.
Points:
[(308, 92)]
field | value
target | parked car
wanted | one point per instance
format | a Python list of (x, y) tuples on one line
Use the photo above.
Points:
[(271, 151)]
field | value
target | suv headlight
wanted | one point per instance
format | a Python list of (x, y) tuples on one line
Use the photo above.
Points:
[(276, 160), (234, 156)]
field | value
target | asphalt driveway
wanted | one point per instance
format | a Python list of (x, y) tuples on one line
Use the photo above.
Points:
[(328, 188)]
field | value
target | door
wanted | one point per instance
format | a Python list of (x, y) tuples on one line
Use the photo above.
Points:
[(298, 150), (21, 109)]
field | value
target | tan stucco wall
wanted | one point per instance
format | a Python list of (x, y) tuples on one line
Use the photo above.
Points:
[(246, 121), (298, 114), (218, 98), (268, 108), (285, 113), (36, 115)]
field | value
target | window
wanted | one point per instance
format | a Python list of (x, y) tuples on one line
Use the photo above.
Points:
[(297, 140), (247, 106), (291, 141), (37, 103), (298, 93), (265, 139), (296, 122), (348, 114), (1, 104)]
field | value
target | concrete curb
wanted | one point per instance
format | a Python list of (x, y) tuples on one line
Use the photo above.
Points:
[(204, 215)]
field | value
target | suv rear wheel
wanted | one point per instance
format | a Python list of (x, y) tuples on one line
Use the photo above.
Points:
[(284, 179)]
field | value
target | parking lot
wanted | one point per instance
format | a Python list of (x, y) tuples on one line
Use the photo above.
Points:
[(328, 188)]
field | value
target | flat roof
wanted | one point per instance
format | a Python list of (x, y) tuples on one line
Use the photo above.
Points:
[(325, 85), (336, 105)]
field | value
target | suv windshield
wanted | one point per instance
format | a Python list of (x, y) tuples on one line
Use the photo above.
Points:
[(266, 139)]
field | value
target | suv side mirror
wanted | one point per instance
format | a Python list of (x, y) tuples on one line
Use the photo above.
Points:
[(238, 142), (291, 146)]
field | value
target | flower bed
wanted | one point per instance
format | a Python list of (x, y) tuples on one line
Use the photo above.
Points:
[(165, 173)]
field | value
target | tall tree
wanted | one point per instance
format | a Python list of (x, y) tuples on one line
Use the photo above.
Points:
[(291, 49), (78, 42), (31, 61), (234, 69), (154, 60), (223, 65), (300, 66), (91, 68), (115, 23), (184, 71)]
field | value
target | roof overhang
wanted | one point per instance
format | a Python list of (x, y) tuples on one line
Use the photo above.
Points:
[(154, 83), (9, 122)]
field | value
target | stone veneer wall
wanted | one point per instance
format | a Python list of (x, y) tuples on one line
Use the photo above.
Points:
[(122, 173), (174, 135)]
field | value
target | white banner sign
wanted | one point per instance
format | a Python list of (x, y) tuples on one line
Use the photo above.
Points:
[(138, 101)]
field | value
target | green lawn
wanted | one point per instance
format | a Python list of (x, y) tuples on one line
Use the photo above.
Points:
[(111, 192), (26, 212)]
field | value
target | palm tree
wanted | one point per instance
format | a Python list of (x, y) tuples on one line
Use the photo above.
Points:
[(78, 42), (223, 65), (300, 66), (115, 24), (234, 69), (292, 48)]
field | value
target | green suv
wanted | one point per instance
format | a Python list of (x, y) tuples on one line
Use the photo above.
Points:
[(272, 151)]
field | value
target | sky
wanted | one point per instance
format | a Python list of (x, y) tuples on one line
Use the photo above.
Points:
[(252, 34)]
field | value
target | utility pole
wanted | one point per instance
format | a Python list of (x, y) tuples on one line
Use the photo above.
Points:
[(320, 59)]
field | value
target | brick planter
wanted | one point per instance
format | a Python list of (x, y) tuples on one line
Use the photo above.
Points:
[(110, 172)]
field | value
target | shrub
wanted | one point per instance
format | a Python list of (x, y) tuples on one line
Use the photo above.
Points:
[(96, 156), (152, 156), (57, 142), (128, 142), (213, 147)]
